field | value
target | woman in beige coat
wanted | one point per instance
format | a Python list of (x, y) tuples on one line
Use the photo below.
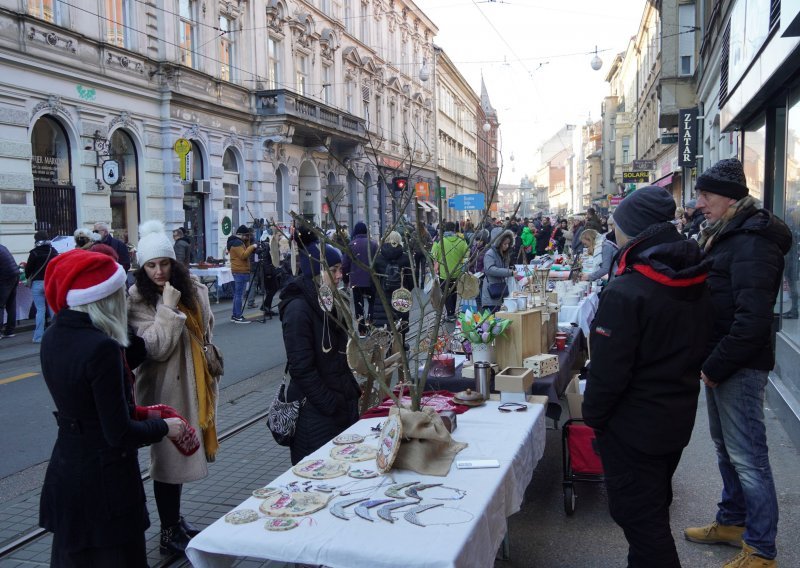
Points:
[(170, 310)]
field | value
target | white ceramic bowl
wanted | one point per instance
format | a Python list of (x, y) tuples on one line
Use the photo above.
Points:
[(510, 304)]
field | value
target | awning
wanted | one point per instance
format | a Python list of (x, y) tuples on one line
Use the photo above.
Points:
[(428, 206), (665, 181)]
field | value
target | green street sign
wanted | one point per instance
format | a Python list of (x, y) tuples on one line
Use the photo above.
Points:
[(227, 226), (443, 192)]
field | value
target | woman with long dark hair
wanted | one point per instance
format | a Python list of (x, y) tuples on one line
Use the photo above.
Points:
[(170, 310)]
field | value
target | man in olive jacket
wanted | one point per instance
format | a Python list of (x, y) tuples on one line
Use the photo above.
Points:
[(641, 394), (747, 245)]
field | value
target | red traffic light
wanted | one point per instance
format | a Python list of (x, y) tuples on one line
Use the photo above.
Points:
[(400, 183)]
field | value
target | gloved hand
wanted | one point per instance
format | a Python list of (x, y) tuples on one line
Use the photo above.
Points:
[(171, 296)]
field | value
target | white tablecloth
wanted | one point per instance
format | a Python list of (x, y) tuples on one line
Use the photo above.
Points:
[(516, 439), (582, 314), (23, 302), (223, 274)]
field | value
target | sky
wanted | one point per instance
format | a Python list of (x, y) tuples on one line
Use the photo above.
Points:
[(535, 59)]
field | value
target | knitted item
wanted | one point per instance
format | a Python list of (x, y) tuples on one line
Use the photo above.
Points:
[(642, 208), (309, 259), (80, 277), (188, 443), (726, 177), (153, 242)]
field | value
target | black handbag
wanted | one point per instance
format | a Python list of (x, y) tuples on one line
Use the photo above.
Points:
[(498, 290), (282, 416)]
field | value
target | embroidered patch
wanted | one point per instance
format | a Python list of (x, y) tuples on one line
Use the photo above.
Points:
[(604, 331)]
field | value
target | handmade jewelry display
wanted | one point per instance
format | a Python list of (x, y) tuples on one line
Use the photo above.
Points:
[(337, 509), (412, 515), (280, 524), (413, 491), (294, 504), (389, 443), (363, 473), (264, 492), (363, 509), (354, 452), (385, 512), (394, 490), (241, 517), (344, 439), (320, 469), (445, 493), (402, 300), (440, 516)]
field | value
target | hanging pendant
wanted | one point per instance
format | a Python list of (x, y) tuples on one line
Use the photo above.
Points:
[(402, 300), (325, 297)]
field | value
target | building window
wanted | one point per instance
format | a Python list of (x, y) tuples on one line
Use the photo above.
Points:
[(125, 195), (348, 96), (274, 55), (348, 16), (230, 185), (686, 64), (365, 22), (327, 85), (47, 10), (686, 41), (754, 158), (791, 297), (325, 6), (626, 149), (392, 51), (378, 116), (227, 53), (392, 117), (301, 74), (118, 22), (186, 37)]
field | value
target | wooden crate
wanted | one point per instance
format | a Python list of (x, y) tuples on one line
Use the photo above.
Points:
[(522, 339)]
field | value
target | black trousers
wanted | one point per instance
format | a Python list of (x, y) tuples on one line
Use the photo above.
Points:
[(449, 299), (639, 495), (8, 302), (132, 554), (360, 295)]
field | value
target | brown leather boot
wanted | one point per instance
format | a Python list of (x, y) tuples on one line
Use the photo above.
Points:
[(715, 533)]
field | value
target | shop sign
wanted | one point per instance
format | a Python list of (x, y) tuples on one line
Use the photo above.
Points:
[(469, 202), (423, 190), (183, 147), (111, 172), (615, 200), (451, 202), (391, 163), (687, 134), (669, 138), (443, 192), (638, 176), (648, 165)]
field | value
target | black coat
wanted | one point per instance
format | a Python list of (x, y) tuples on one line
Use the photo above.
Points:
[(323, 378), (745, 278), (38, 259), (644, 376), (391, 254), (92, 494), (122, 251), (543, 239)]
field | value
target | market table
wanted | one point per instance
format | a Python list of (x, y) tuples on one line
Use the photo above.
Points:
[(582, 314), (492, 495), (221, 275), (23, 302)]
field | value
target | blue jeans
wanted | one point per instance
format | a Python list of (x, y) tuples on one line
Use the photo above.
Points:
[(239, 285), (37, 290), (736, 421)]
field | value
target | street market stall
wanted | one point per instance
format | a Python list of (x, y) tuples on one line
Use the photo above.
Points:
[(452, 521), (213, 277)]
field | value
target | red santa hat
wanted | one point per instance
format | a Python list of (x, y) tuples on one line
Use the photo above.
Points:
[(81, 277)]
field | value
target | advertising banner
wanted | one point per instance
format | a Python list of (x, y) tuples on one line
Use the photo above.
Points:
[(687, 137)]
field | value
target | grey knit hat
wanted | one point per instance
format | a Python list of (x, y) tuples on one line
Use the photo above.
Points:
[(726, 177), (642, 208)]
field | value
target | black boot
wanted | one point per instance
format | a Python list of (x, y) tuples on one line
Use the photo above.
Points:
[(188, 528), (173, 540)]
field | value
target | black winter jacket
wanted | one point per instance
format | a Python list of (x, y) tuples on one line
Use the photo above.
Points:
[(323, 378), (745, 277), (644, 376), (38, 259), (391, 254), (92, 494), (122, 251)]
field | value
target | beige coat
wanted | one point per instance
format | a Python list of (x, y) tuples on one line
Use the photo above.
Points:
[(167, 377)]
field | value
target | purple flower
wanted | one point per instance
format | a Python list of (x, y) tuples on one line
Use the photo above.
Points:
[(485, 336)]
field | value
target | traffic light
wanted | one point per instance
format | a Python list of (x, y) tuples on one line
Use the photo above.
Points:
[(399, 183)]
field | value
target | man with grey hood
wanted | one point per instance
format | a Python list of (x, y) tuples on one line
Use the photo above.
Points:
[(497, 268)]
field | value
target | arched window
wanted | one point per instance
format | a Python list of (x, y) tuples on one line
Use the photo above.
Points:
[(53, 192), (125, 193), (230, 184)]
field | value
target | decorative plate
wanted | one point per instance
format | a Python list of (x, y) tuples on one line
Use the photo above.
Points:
[(264, 492), (402, 300), (325, 297), (320, 469), (363, 473), (294, 504), (390, 442), (280, 524), (344, 439), (354, 452), (241, 517)]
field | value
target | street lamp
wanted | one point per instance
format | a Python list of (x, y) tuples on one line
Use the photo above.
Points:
[(487, 127), (596, 62)]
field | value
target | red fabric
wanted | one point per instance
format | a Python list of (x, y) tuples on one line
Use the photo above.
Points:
[(440, 400), (582, 455), (75, 270), (188, 443)]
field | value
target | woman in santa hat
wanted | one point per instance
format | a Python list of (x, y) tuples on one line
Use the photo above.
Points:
[(93, 500), (170, 310)]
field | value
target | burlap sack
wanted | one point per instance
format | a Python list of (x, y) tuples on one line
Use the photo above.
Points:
[(427, 446), (469, 286)]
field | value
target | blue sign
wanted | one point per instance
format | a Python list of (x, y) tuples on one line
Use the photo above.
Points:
[(451, 202), (468, 202)]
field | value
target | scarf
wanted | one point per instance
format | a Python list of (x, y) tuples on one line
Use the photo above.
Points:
[(710, 233), (206, 394)]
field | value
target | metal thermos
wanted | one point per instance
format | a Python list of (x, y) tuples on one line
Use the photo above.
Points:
[(483, 372)]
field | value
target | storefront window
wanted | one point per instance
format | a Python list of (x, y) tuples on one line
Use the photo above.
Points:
[(790, 324), (194, 198), (53, 193), (125, 194), (755, 152), (230, 184)]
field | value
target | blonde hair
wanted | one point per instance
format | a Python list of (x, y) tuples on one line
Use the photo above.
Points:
[(588, 238), (394, 239), (109, 315)]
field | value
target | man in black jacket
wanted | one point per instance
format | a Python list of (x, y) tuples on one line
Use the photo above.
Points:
[(104, 231), (641, 395), (747, 246)]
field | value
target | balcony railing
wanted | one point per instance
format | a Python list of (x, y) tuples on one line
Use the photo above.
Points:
[(281, 102)]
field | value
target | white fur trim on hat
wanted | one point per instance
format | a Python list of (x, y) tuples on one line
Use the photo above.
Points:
[(154, 242), (78, 297)]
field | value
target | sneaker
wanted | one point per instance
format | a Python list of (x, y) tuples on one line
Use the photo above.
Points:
[(8, 335), (240, 319), (715, 533), (251, 305), (748, 558)]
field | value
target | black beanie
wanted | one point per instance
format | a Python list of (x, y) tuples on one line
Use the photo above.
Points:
[(242, 230), (642, 208), (726, 177)]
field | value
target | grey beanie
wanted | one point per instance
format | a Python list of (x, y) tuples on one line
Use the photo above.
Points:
[(726, 177), (642, 208)]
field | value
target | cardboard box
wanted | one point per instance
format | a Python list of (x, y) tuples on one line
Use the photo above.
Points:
[(542, 365), (574, 397), (514, 379), (522, 339)]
